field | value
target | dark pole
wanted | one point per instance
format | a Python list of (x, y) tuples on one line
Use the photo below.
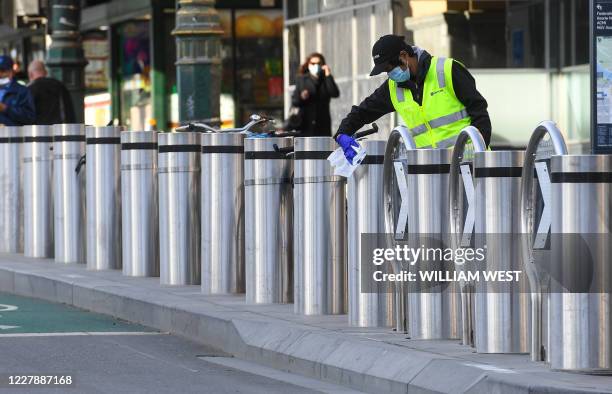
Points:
[(65, 59), (198, 61)]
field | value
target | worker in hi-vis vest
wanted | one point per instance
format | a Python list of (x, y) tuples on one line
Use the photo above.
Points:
[(436, 97)]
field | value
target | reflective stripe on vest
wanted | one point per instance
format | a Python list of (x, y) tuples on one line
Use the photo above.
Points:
[(440, 72), (447, 143), (448, 119), (441, 116)]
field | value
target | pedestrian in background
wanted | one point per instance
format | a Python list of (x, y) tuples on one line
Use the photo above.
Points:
[(314, 89), (51, 98), (16, 103)]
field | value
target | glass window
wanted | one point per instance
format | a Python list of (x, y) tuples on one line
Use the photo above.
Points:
[(503, 33), (327, 5), (525, 24), (338, 52), (363, 19), (294, 52), (309, 7), (97, 51), (569, 37), (291, 9), (135, 65), (252, 80)]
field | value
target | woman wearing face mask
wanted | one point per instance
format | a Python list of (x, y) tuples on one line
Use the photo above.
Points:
[(314, 89), (436, 97)]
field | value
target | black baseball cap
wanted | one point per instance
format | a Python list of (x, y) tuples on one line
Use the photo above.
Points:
[(387, 49)]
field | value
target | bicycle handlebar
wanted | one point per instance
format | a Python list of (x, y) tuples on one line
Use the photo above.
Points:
[(365, 133), (202, 127), (286, 149)]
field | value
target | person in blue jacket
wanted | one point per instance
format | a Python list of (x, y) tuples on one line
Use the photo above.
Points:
[(16, 102)]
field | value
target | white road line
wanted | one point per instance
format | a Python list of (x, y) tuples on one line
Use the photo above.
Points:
[(8, 308), (275, 374), (152, 357), (79, 333), (491, 368)]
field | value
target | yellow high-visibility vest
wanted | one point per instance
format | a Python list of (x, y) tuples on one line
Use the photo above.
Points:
[(437, 122)]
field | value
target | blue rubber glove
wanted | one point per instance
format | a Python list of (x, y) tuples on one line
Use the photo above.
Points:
[(347, 143)]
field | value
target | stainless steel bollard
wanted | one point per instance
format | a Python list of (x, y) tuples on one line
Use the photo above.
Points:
[(38, 191), (501, 310), (433, 309), (11, 189), (179, 208), (222, 165), (580, 300), (69, 193), (366, 216), (535, 215), (394, 187), (103, 195), (268, 220), (139, 213), (462, 217), (319, 230)]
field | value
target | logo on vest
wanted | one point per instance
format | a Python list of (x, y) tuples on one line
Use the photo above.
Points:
[(436, 92)]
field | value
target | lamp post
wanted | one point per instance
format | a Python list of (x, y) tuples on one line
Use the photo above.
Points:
[(198, 61), (65, 59)]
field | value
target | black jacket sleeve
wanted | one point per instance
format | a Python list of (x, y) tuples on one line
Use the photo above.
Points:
[(369, 110), (476, 105), (303, 82), (296, 100), (329, 87)]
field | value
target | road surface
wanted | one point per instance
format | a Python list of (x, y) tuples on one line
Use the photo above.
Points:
[(105, 355)]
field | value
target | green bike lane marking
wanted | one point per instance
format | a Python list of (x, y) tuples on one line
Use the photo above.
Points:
[(28, 315)]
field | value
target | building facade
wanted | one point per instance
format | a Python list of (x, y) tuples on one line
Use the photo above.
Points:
[(130, 77), (529, 57)]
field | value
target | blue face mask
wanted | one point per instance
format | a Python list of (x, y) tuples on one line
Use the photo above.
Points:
[(399, 75)]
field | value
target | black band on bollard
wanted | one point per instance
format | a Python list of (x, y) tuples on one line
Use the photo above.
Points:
[(498, 172), (373, 159), (266, 155), (223, 149), (40, 138), (311, 155), (428, 168), (581, 177), (11, 140), (69, 138), (139, 146), (179, 148), (103, 141)]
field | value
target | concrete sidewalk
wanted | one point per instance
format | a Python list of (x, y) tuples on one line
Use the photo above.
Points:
[(325, 348)]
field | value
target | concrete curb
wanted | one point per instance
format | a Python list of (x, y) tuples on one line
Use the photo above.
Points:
[(355, 361)]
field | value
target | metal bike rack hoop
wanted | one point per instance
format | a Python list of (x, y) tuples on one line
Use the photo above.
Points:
[(399, 138), (468, 134), (457, 224), (527, 219)]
